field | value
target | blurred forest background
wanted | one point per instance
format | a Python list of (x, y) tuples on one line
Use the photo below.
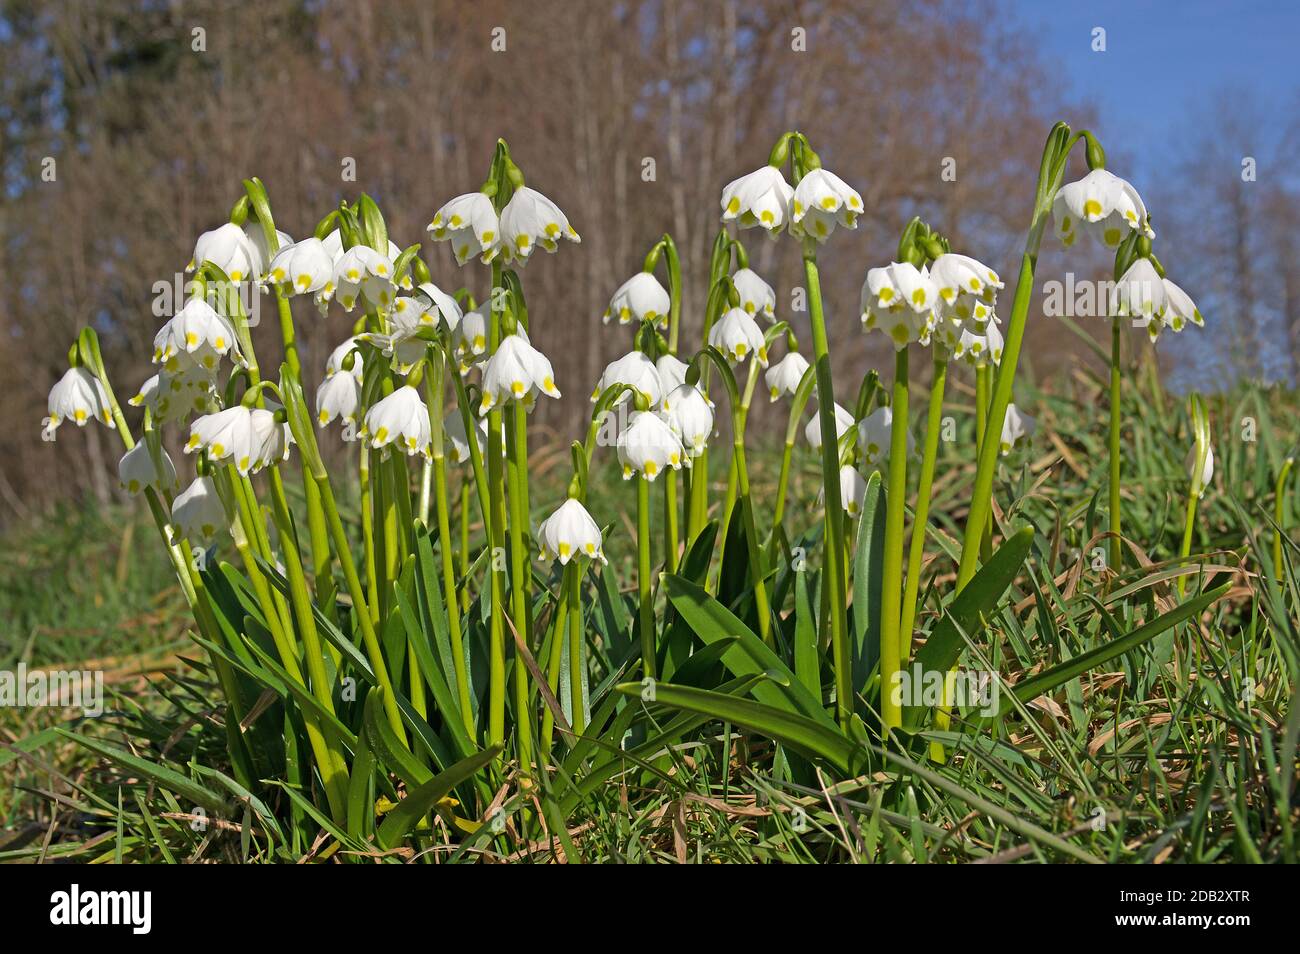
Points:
[(151, 135)]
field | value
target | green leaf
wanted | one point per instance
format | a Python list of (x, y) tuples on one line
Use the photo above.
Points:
[(419, 802), (168, 778), (868, 581), (390, 751), (807, 660)]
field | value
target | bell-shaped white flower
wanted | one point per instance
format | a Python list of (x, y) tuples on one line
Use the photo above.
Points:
[(672, 371), (229, 248), (853, 490), (339, 395), (737, 335), (813, 431), (959, 275), (262, 256), (756, 295), (640, 298), (197, 511), (1014, 427), (175, 395), (471, 336), (334, 364), (361, 271), (136, 471), (636, 371), (444, 310), (454, 427), (401, 418), (823, 200), (1207, 472), (78, 397), (302, 268), (237, 433), (469, 223), (1102, 204), (531, 219), (569, 532), (966, 314), (1179, 308), (783, 378), (197, 331), (1140, 293), (979, 350), (647, 445), (761, 198), (515, 372), (900, 300), (689, 413), (273, 437), (875, 432)]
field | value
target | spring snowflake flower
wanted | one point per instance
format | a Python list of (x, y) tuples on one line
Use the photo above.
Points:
[(197, 511), (648, 445), (1207, 472), (636, 371), (302, 268), (273, 437), (196, 331), (454, 427), (334, 364), (761, 198), (640, 298), (689, 413), (516, 372), (853, 490), (960, 275), (400, 418), (569, 532), (136, 471), (443, 310), (783, 378), (339, 395), (756, 295), (979, 350), (78, 397), (471, 334), (469, 223), (174, 395), (737, 335), (229, 248), (531, 219), (875, 432), (966, 314), (1179, 308), (813, 432), (672, 372), (363, 271), (250, 437), (1101, 204), (900, 300), (256, 236), (1015, 426), (1140, 293), (823, 200)]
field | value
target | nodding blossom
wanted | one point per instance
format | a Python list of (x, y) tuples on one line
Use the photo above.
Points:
[(531, 219), (78, 397), (737, 335), (761, 198), (136, 471), (648, 445), (853, 490), (250, 438), (638, 372), (813, 432), (756, 295), (197, 511), (516, 372), (401, 418), (900, 300), (196, 332), (302, 268), (689, 413), (640, 298), (875, 432), (1014, 427), (821, 201), (570, 532), (1100, 204), (782, 379), (363, 272), (469, 223)]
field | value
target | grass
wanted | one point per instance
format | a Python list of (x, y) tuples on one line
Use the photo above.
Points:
[(1182, 749)]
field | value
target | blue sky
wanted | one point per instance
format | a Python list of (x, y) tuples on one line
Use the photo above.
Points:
[(1166, 58)]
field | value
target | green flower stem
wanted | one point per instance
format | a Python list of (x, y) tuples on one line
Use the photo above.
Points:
[(464, 542), (371, 603), (644, 581), (577, 657), (739, 418), (981, 427), (496, 519), (895, 506), (555, 662), (797, 405), (834, 512), (699, 503), (1279, 515), (674, 291), (921, 514), (1116, 549), (475, 449), (670, 522), (520, 575), (757, 565)]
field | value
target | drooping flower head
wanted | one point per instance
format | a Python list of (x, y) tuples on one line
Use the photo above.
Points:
[(401, 418), (823, 200), (648, 445), (469, 223), (136, 471), (761, 198), (363, 272), (783, 378), (531, 219), (1100, 204), (250, 438), (638, 372), (875, 432), (302, 268), (853, 490), (570, 532), (516, 372), (900, 300), (197, 511), (198, 332), (737, 335), (78, 397), (756, 295), (640, 298), (689, 413), (1014, 427), (813, 431), (229, 248)]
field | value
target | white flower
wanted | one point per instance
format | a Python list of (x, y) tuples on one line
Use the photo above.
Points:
[(853, 490), (761, 198), (78, 397), (570, 532), (640, 298), (229, 248), (174, 395), (1102, 204), (783, 378), (136, 471), (444, 310), (516, 372), (737, 335), (1207, 472), (689, 413), (454, 426), (636, 371), (672, 372), (1179, 308), (979, 350), (469, 222), (900, 300), (199, 332), (471, 335), (966, 314), (756, 295), (197, 511), (401, 417), (960, 275), (648, 445), (238, 433), (362, 270), (256, 236), (875, 431), (335, 362), (273, 437), (339, 395), (1015, 426), (530, 219), (302, 267), (821, 201), (1140, 293), (813, 432)]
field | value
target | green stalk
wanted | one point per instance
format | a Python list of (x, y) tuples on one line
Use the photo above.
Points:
[(371, 603), (576, 656), (1116, 550), (496, 518), (797, 404), (644, 581), (834, 513), (895, 504), (921, 515), (670, 522), (981, 427), (519, 577), (1279, 513), (464, 542), (555, 662)]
